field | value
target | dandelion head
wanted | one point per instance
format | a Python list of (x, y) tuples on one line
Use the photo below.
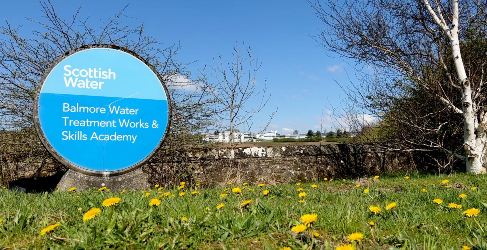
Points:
[(346, 247), (316, 234), (300, 189), (184, 219), (261, 184), (194, 192), (219, 206), (302, 194), (406, 177), (375, 209), (245, 203), (474, 188), (371, 223), (301, 201), (366, 191), (237, 190), (223, 195), (454, 205), (471, 212), (309, 218), (438, 201), (358, 185), (102, 189), (90, 214), (299, 228), (265, 192), (355, 237), (155, 202), (111, 202), (376, 177), (72, 189), (444, 181), (314, 186), (49, 228), (463, 196), (423, 190), (391, 206)]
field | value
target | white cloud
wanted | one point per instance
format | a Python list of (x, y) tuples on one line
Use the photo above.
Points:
[(335, 68), (309, 76), (181, 82), (287, 130)]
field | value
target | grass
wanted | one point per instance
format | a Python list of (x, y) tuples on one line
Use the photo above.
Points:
[(342, 208)]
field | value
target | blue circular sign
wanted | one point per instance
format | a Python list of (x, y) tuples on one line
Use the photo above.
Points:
[(102, 109)]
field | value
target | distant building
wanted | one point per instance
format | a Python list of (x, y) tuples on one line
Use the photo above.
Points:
[(268, 136), (224, 137)]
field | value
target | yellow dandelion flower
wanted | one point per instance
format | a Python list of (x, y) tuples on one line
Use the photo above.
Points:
[(376, 177), (245, 183), (76, 196), (309, 218), (156, 186), (147, 194), (72, 189), (265, 192), (160, 188), (229, 183), (49, 228), (197, 184), (237, 190), (166, 193), (261, 184), (184, 219), (346, 247), (375, 209), (444, 181), (438, 201), (207, 208), (301, 201), (358, 185), (302, 194), (299, 189), (331, 179), (298, 184), (110, 201), (102, 189), (316, 234), (463, 196), (454, 205), (223, 195), (226, 189), (299, 228), (272, 197), (251, 189), (285, 248), (180, 187), (155, 202), (325, 179), (90, 214), (371, 223), (355, 237), (471, 212), (123, 191), (391, 206), (474, 188), (406, 177), (220, 206), (466, 247), (182, 194), (447, 186), (314, 186), (245, 203), (423, 190), (366, 191), (182, 183), (194, 192)]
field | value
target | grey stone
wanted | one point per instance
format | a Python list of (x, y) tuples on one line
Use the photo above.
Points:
[(134, 180)]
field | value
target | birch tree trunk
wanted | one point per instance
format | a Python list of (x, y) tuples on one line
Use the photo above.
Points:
[(473, 132)]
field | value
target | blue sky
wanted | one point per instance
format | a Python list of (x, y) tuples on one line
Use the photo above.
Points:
[(301, 76)]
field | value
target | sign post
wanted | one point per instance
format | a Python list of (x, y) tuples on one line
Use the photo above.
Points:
[(102, 111)]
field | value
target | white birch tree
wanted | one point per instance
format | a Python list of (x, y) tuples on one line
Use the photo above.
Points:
[(402, 41)]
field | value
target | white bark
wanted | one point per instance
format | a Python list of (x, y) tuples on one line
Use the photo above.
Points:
[(474, 143)]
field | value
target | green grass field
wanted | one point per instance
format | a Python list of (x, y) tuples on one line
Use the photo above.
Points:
[(194, 221)]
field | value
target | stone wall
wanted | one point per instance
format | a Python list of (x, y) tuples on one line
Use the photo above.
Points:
[(219, 164)]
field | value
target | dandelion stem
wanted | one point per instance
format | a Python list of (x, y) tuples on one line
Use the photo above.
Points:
[(479, 225)]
